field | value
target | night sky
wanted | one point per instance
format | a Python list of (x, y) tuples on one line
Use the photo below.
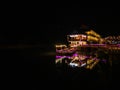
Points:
[(51, 25), (101, 20)]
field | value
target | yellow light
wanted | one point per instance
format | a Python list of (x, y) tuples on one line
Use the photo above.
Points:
[(60, 45)]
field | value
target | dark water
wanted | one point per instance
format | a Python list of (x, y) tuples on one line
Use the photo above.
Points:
[(43, 72), (100, 77), (42, 67), (27, 68), (37, 70)]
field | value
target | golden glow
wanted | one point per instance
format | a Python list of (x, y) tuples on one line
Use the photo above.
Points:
[(77, 43), (77, 37), (91, 32), (61, 45), (92, 38), (90, 65)]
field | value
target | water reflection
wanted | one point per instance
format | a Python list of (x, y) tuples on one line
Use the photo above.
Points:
[(94, 68)]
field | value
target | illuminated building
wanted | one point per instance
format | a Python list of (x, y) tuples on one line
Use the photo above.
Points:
[(112, 40), (102, 41), (76, 40), (93, 37), (79, 39), (60, 47), (90, 37)]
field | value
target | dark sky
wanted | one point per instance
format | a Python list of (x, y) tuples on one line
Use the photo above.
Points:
[(42, 25), (98, 19)]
